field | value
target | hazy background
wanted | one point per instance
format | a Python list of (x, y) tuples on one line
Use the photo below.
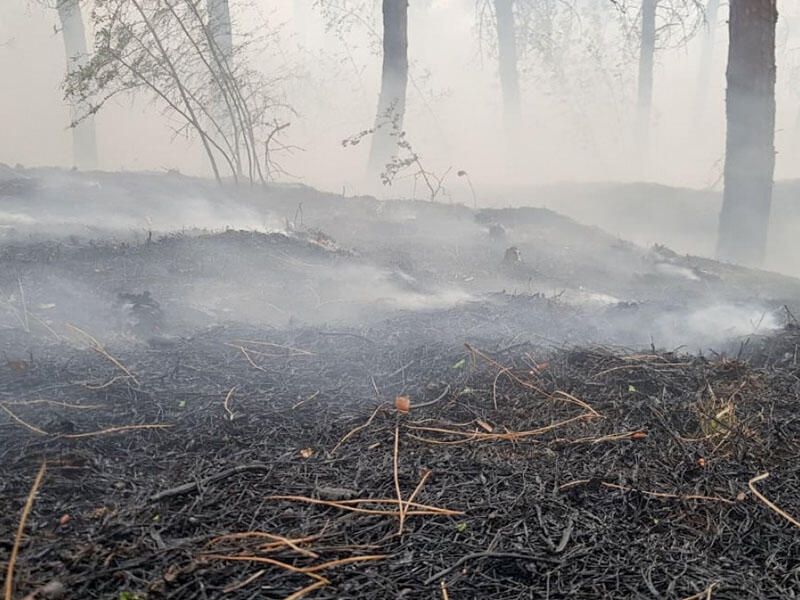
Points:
[(577, 124)]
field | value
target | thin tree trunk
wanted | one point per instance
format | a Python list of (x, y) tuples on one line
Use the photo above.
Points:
[(706, 61), (219, 21), (507, 58), (750, 144), (84, 141), (394, 81), (644, 105)]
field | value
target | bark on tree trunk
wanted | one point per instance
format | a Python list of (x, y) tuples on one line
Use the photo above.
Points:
[(749, 148), (394, 81), (84, 141), (645, 82), (706, 61), (507, 58)]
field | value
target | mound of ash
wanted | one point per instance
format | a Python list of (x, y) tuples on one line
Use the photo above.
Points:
[(357, 463)]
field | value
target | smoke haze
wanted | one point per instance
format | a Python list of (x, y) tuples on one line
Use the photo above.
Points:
[(577, 123)]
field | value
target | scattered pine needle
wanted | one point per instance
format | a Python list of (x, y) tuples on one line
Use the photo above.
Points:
[(400, 507), (25, 424), (475, 435), (98, 347), (352, 505), (51, 403), (705, 594), (278, 541), (9, 587), (445, 595), (78, 436), (226, 404), (310, 571), (246, 582), (625, 488), (110, 430), (767, 501), (293, 351), (503, 370), (251, 361), (355, 430)]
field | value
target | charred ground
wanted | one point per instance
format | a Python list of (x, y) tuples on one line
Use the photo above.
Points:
[(539, 461)]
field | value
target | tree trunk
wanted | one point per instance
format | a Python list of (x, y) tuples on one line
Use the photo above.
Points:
[(507, 58), (644, 105), (706, 61), (84, 141), (394, 81), (219, 21), (750, 144)]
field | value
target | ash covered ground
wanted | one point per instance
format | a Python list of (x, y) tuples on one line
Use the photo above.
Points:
[(214, 382)]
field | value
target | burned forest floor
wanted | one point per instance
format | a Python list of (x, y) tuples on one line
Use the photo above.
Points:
[(285, 393)]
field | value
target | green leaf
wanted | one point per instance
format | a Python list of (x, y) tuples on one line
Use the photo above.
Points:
[(182, 404), (460, 364), (631, 389), (461, 527)]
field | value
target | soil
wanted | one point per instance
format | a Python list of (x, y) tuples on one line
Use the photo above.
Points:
[(343, 398)]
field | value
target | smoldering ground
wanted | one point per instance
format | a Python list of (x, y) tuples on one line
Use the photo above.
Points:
[(74, 246)]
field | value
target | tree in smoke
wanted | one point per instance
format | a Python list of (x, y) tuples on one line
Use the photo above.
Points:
[(394, 82), (84, 141), (706, 58), (181, 54), (219, 22), (647, 50), (662, 23), (750, 144), (507, 63)]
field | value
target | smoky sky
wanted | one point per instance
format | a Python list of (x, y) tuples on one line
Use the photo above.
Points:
[(577, 118)]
